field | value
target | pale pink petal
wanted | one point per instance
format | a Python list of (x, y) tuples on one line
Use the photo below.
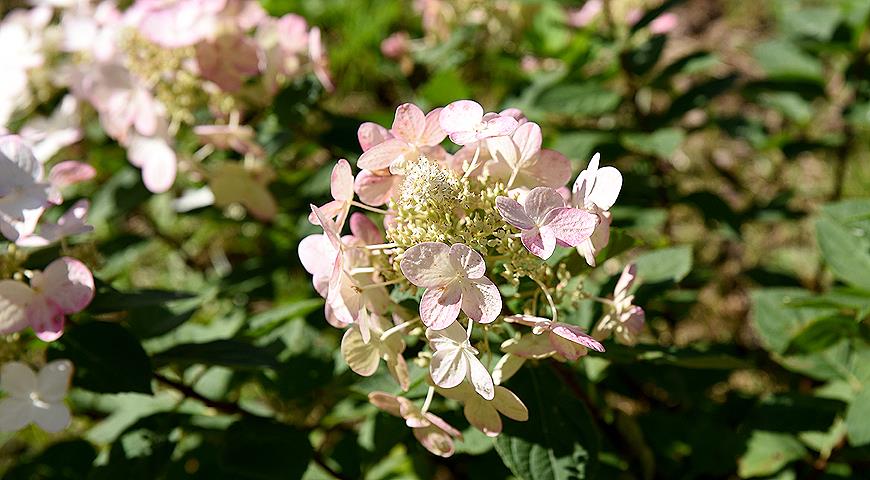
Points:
[(527, 138), (550, 169), (370, 134), (329, 227), (565, 348), (664, 23), (374, 189), (581, 189), (54, 380), (448, 368), (461, 116), (409, 122), (71, 172), (481, 300), (68, 283), (608, 183), (157, 160), (341, 184), (439, 307), (510, 405), (51, 417), (330, 210), (529, 346), (541, 242), (540, 201), (17, 379), (14, 297), (516, 113), (363, 228), (571, 226), (382, 155), (464, 137), (483, 416), (599, 239), (506, 367), (479, 376), (15, 413), (363, 358), (514, 213), (317, 255), (577, 335), (385, 402), (432, 133), (499, 126), (428, 265), (46, 319), (467, 260), (440, 423), (505, 150), (626, 279), (528, 320), (435, 441)]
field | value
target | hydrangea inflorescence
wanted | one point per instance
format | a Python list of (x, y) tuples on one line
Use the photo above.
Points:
[(455, 227)]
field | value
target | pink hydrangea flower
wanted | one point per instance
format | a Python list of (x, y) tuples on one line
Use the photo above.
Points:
[(484, 414), (413, 133), (454, 360), (583, 16), (228, 60), (564, 338), (69, 224), (23, 193), (364, 357), (64, 288), (375, 187), (431, 431), (545, 221), (453, 277), (230, 137), (396, 45), (465, 122), (341, 188), (624, 320), (177, 23), (520, 161), (47, 136), (156, 159), (33, 398), (595, 191), (65, 174)]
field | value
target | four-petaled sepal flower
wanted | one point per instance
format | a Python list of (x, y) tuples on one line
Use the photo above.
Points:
[(453, 277), (455, 360), (35, 398)]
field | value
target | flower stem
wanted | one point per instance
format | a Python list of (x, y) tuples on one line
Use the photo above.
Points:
[(549, 298), (366, 207), (381, 246), (428, 401), (398, 327), (473, 164)]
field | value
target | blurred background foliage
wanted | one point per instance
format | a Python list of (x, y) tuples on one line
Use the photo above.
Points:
[(743, 132)]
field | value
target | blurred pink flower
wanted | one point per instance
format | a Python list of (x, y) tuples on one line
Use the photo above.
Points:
[(624, 320), (581, 17), (69, 224), (453, 277), (396, 45), (65, 287), (65, 174), (176, 23), (35, 398), (228, 60), (156, 159)]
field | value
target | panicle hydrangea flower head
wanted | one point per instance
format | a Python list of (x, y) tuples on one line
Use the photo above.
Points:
[(493, 209)]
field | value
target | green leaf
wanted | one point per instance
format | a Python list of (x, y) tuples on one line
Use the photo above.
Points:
[(643, 58), (847, 253), (792, 105), (109, 299), (783, 60), (667, 264), (822, 334), (559, 441), (663, 142), (444, 87), (587, 99), (858, 418), (228, 353), (107, 358), (775, 322), (767, 453), (261, 448)]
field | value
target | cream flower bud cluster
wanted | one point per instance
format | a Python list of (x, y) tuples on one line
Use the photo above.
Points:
[(493, 207)]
